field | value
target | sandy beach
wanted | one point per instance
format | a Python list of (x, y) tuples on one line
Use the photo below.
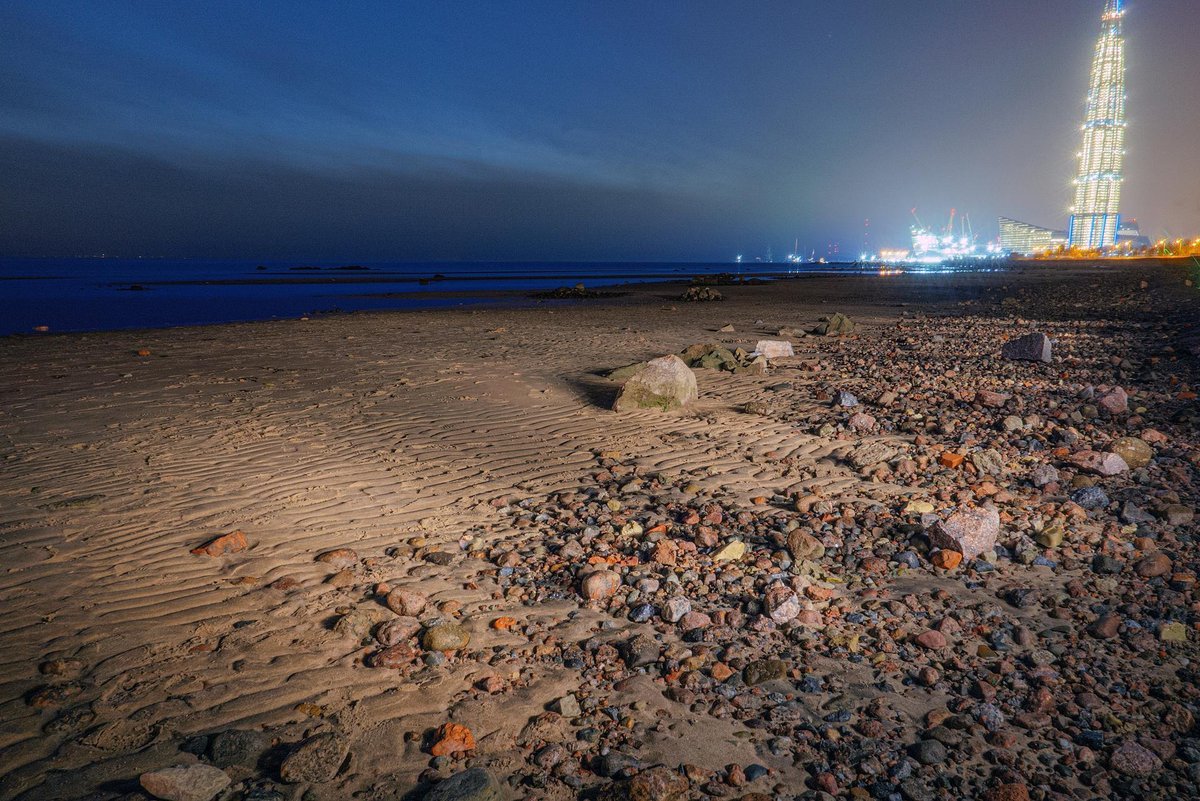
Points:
[(409, 481)]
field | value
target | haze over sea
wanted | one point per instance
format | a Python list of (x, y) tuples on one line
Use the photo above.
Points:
[(92, 294)]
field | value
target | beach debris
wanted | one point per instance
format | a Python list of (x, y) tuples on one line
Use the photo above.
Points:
[(1034, 347), (185, 783), (664, 383), (834, 325), (701, 294), (233, 542)]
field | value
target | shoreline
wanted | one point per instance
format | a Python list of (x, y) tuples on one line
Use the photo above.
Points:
[(460, 454)]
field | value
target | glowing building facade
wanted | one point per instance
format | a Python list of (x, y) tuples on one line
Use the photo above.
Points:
[(1095, 217)]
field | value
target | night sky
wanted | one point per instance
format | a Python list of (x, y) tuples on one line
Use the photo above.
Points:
[(600, 130)]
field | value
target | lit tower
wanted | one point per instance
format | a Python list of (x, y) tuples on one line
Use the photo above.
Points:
[(1095, 216)]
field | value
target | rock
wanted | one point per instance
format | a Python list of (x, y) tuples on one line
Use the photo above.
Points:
[(1134, 760), (473, 784), (731, 552), (1090, 498), (1051, 536), (600, 585), (932, 640), (701, 294), (567, 706), (653, 784), (1098, 463), (781, 603), (398, 630), (316, 760), (870, 454), (1033, 347), (993, 400), (970, 531), (1134, 451), (834, 325), (394, 657), (947, 559), (918, 508), (445, 637), (238, 747), (234, 542), (861, 421), (1043, 474), (1115, 401), (988, 462), (774, 348), (1155, 564), (640, 650), (407, 603), (844, 399), (804, 547), (452, 738), (675, 608), (664, 383), (763, 670), (1178, 515), (185, 782), (928, 752), (339, 558), (1173, 631), (727, 328), (1106, 626)]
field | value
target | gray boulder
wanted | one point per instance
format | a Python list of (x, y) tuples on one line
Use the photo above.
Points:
[(664, 383), (1033, 347)]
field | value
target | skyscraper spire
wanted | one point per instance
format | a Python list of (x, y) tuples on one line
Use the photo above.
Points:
[(1095, 217)]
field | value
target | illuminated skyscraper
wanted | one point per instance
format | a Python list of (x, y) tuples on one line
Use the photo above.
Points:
[(1095, 216)]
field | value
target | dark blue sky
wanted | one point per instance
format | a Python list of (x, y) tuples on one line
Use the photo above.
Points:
[(566, 130)]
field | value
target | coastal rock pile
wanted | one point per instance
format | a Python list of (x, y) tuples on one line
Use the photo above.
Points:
[(701, 294)]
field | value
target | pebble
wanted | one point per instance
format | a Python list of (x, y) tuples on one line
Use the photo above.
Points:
[(185, 783)]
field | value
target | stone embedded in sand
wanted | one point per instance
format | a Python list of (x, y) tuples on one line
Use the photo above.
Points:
[(233, 542), (675, 608), (567, 706), (316, 760), (993, 400), (1115, 401), (1153, 565), (452, 738), (1043, 474), (664, 383), (654, 784), (946, 559), (1134, 451), (861, 421), (1173, 631), (445, 637), (339, 558), (774, 348), (408, 603), (970, 531), (394, 657), (473, 784), (1033, 347), (600, 584), (238, 747), (185, 783), (1098, 462), (397, 630), (1176, 514), (931, 639)]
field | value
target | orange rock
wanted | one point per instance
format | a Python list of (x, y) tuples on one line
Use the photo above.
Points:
[(504, 623), (816, 593), (950, 459), (452, 738), (721, 671), (947, 560), (226, 543), (144, 352), (759, 500), (661, 528), (1186, 396)]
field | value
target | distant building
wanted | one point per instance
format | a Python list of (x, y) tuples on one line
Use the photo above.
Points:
[(1130, 236), (1095, 217), (1025, 238)]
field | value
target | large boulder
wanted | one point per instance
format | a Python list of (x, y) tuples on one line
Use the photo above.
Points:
[(969, 531), (664, 383), (1033, 347)]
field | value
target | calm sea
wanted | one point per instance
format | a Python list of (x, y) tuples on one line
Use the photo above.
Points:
[(100, 294)]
